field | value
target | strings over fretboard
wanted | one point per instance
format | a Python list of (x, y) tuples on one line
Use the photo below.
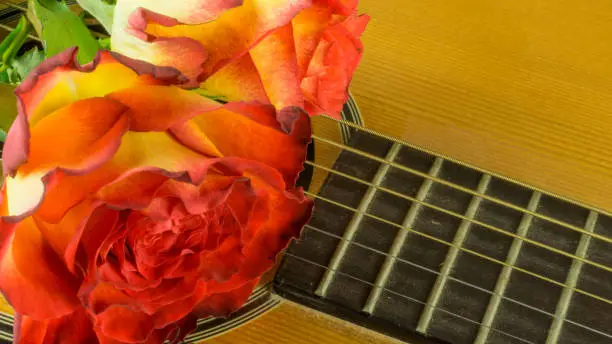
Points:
[(403, 239)]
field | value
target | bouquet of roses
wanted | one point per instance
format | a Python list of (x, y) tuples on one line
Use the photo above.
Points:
[(149, 178)]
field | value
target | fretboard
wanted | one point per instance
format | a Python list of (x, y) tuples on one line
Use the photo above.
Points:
[(404, 241)]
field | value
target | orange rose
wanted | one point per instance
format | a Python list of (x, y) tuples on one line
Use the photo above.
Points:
[(131, 207), (284, 52)]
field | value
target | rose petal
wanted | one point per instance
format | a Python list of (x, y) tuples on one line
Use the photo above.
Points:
[(84, 134), (344, 7), (79, 137), (157, 108), (186, 11), (287, 214), (176, 331), (154, 151), (60, 81), (199, 199), (61, 235), (308, 27), (33, 278), (124, 324), (224, 261), (75, 327), (99, 296), (134, 191), (237, 81), (276, 62), (222, 304), (64, 191), (15, 207), (328, 52), (151, 151), (277, 139), (175, 311), (87, 243), (231, 34)]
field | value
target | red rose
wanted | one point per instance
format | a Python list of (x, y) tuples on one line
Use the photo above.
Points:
[(284, 52), (132, 207)]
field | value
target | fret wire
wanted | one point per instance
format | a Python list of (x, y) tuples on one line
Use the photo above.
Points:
[(362, 128), (403, 296), (352, 227), (504, 277), (464, 189), (572, 280), (494, 294), (431, 237), (400, 239), (451, 256), (4, 318), (462, 217), (6, 336)]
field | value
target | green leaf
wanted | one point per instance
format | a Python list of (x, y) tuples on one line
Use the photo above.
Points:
[(12, 43), (24, 64), (105, 43), (8, 107), (101, 10), (62, 29)]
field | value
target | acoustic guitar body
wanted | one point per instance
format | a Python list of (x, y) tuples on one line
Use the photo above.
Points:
[(475, 206)]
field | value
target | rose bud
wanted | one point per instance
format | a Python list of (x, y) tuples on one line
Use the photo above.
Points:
[(131, 207), (284, 52)]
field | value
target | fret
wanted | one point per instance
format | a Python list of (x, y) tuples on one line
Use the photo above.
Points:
[(351, 229), (400, 239), (451, 257), (571, 281), (504, 276)]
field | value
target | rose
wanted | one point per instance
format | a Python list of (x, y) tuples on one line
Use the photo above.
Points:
[(130, 207), (285, 52)]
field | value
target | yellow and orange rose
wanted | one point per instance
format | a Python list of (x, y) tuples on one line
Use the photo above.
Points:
[(284, 52), (130, 207)]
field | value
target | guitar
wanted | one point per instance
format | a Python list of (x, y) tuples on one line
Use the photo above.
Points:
[(507, 106)]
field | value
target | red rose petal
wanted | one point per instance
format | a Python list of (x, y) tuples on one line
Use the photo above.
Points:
[(134, 191), (75, 328), (125, 324), (224, 303), (288, 212), (281, 145), (33, 278)]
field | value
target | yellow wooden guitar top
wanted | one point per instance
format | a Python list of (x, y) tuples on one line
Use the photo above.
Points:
[(521, 88)]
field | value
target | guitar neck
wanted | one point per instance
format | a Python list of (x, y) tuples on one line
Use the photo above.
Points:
[(407, 242)]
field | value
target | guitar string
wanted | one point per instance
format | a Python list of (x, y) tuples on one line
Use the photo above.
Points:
[(407, 169), (441, 241), (450, 184), (336, 271), (421, 174), (454, 185), (424, 268), (460, 216)]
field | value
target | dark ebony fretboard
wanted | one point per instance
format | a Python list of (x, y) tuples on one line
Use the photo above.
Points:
[(423, 245)]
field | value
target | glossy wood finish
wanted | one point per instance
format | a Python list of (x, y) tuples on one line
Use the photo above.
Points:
[(522, 88)]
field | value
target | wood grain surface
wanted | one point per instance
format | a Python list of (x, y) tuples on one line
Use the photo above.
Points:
[(522, 88)]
